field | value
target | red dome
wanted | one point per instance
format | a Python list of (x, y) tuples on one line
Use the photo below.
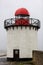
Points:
[(22, 11)]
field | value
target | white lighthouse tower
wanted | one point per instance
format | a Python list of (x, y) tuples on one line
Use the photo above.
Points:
[(21, 35)]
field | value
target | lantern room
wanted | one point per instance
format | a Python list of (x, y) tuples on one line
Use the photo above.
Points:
[(22, 17)]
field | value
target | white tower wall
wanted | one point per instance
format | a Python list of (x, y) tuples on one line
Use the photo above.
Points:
[(24, 39)]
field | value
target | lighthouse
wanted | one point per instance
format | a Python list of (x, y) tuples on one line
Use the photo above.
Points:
[(21, 35)]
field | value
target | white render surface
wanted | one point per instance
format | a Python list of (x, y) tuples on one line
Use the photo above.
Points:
[(23, 39)]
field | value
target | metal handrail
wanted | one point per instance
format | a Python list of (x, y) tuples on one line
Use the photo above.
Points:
[(32, 21)]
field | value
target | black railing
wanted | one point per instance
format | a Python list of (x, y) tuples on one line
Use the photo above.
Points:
[(32, 21)]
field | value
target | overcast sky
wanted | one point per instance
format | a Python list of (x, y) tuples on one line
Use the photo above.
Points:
[(7, 10)]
